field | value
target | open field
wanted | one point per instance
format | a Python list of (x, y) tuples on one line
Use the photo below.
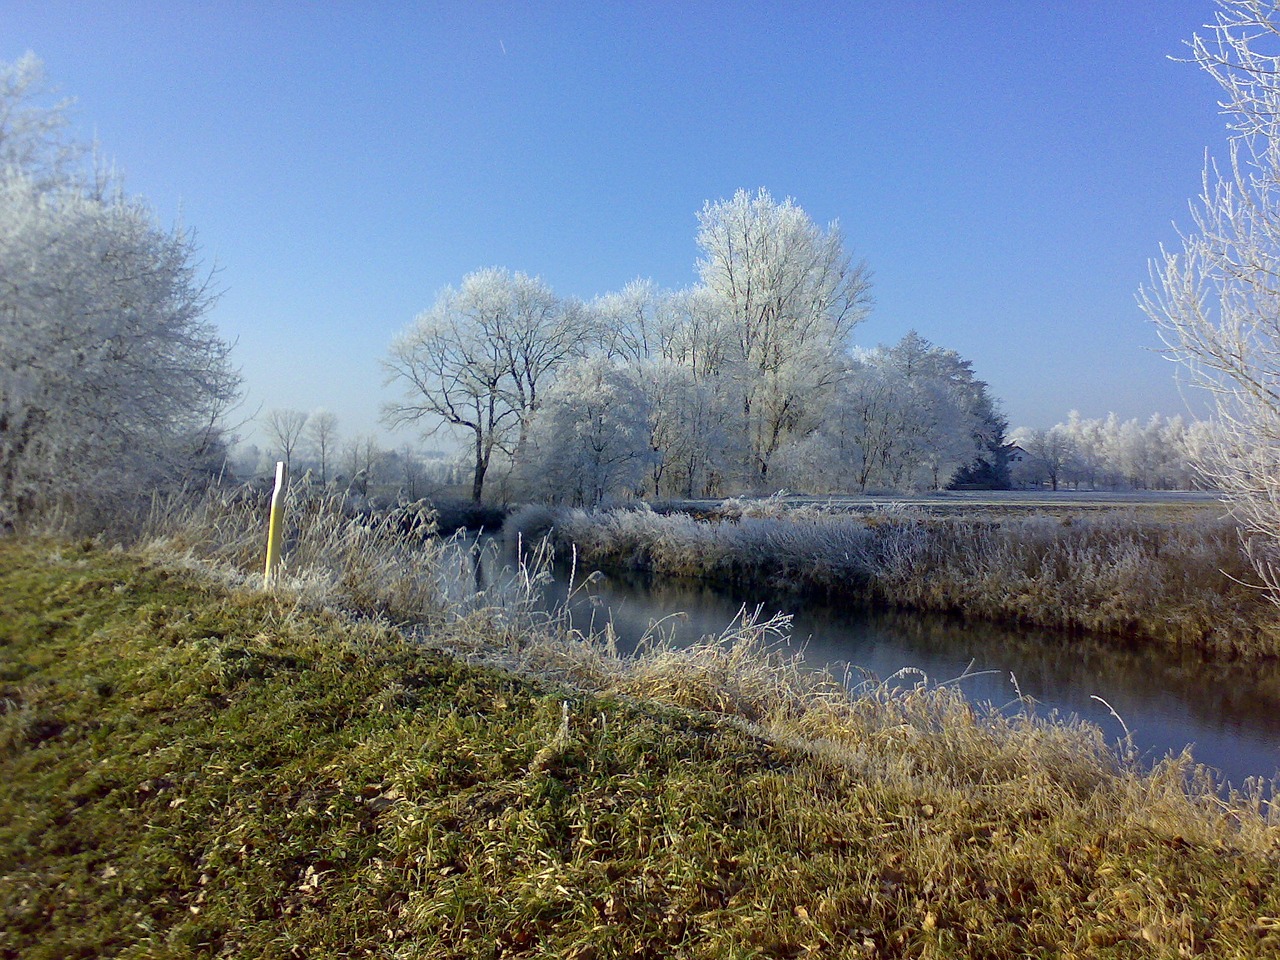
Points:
[(189, 770)]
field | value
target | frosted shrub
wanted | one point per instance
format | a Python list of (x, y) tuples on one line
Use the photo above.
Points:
[(528, 524)]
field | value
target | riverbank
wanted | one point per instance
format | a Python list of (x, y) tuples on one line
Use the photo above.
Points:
[(1174, 577), (194, 769)]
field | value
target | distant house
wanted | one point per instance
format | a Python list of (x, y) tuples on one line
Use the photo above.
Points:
[(1022, 470)]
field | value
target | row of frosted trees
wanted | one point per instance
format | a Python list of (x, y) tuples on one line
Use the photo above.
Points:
[(316, 451), (747, 381), (1160, 454)]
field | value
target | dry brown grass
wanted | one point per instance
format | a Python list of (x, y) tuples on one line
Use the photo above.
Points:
[(1181, 582), (384, 565)]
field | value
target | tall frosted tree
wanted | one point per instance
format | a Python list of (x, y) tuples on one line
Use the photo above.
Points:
[(950, 419), (790, 296), (285, 428), (452, 374), (1051, 455), (477, 361), (636, 324), (112, 378), (34, 139), (590, 440), (1217, 300), (907, 416), (322, 432)]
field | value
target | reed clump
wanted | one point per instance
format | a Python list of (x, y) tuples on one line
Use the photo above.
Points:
[(1180, 582), (189, 769), (384, 564)]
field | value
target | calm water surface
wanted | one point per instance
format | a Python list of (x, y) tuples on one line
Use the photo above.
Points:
[(1230, 716)]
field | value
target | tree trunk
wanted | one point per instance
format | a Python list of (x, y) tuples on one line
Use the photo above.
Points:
[(482, 464)]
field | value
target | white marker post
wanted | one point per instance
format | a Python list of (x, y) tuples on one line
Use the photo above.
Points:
[(274, 524)]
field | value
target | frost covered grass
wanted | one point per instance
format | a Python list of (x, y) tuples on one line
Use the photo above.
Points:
[(383, 565), (1181, 581), (189, 769)]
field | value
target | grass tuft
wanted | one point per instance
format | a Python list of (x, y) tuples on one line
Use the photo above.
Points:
[(383, 565)]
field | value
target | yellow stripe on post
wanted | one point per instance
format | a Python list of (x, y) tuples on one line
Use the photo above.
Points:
[(275, 523)]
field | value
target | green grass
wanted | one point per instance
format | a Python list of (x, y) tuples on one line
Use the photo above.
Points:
[(188, 770)]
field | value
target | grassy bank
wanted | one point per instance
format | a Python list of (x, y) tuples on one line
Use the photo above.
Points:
[(188, 769), (1140, 576)]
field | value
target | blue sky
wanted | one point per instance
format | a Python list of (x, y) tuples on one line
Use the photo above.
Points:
[(1006, 169)]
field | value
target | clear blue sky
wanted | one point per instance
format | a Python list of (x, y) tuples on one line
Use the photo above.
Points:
[(1005, 168)]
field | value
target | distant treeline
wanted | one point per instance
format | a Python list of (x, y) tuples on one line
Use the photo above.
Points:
[(1160, 454)]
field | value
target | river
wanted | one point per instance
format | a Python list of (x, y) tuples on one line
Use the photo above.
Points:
[(1228, 714)]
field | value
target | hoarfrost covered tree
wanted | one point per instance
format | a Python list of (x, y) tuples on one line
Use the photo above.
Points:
[(1051, 455), (362, 457), (1217, 301), (699, 335), (112, 379), (907, 416), (1088, 437), (478, 360), (538, 334), (285, 428), (677, 437), (951, 419), (791, 296), (628, 325), (590, 440), (454, 371), (409, 465), (1142, 452), (1202, 437), (33, 134), (673, 346), (682, 362), (856, 445), (322, 431), (1158, 454)]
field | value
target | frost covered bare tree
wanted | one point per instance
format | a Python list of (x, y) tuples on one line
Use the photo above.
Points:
[(322, 432), (1052, 455), (361, 458), (908, 416), (1217, 300), (284, 428), (478, 359), (790, 295), (111, 376), (639, 323), (590, 440), (34, 131), (542, 332), (1156, 454), (950, 418), (453, 374)]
